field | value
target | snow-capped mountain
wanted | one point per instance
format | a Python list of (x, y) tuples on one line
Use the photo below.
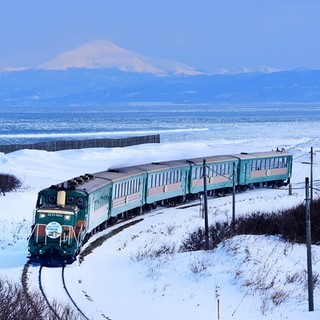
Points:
[(102, 54)]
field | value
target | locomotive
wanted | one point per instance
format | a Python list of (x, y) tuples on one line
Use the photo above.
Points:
[(68, 213)]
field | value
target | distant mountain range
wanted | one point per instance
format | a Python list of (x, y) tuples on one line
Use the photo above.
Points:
[(101, 73)]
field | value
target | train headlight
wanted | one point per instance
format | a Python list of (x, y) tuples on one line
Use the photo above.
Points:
[(42, 215), (67, 217)]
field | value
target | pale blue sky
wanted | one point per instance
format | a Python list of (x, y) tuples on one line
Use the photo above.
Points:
[(205, 34)]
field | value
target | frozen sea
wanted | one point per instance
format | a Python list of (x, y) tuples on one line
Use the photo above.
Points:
[(174, 123)]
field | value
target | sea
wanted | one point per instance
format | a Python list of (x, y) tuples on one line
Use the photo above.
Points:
[(174, 123)]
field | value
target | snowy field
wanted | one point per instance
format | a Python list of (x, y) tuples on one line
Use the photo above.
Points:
[(252, 277)]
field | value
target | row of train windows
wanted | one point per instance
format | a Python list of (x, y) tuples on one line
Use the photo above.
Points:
[(165, 178), (126, 188), (266, 164), (221, 169)]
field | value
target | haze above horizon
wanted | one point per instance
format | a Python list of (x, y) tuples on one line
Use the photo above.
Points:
[(214, 36)]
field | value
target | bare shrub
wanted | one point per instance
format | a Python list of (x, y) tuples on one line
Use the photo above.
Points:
[(199, 266), (9, 183), (148, 253), (289, 224), (280, 296), (16, 304)]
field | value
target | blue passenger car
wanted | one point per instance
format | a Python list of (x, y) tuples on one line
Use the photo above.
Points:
[(166, 180), (128, 189), (219, 172), (267, 168)]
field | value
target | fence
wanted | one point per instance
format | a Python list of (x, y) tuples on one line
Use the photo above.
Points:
[(81, 144)]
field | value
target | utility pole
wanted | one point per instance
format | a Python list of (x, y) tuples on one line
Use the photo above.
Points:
[(234, 195), (311, 174), (308, 241), (206, 225)]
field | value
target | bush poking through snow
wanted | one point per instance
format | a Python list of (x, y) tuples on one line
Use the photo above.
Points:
[(148, 253), (15, 304), (8, 183), (199, 266), (290, 224)]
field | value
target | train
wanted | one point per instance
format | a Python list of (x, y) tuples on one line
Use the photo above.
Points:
[(69, 213)]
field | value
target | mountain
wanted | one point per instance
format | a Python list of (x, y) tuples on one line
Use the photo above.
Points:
[(102, 73), (102, 54), (93, 87)]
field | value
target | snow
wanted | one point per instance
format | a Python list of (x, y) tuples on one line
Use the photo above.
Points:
[(249, 276)]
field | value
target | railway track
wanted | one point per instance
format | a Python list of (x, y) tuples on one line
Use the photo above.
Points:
[(60, 286), (57, 279)]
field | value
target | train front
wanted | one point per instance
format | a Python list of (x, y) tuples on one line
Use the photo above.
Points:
[(58, 229)]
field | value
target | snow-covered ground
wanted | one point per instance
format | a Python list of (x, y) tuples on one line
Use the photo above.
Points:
[(250, 277)]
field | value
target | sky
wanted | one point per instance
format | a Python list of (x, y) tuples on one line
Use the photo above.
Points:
[(210, 35)]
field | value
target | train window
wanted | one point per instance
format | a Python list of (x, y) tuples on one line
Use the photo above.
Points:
[(123, 190), (161, 179), (210, 172), (224, 169), (194, 173), (271, 163), (258, 164), (41, 200), (267, 164), (119, 190), (116, 191), (280, 162)]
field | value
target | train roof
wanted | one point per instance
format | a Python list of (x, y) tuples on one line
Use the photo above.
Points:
[(91, 182), (260, 155), (163, 165), (212, 159)]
